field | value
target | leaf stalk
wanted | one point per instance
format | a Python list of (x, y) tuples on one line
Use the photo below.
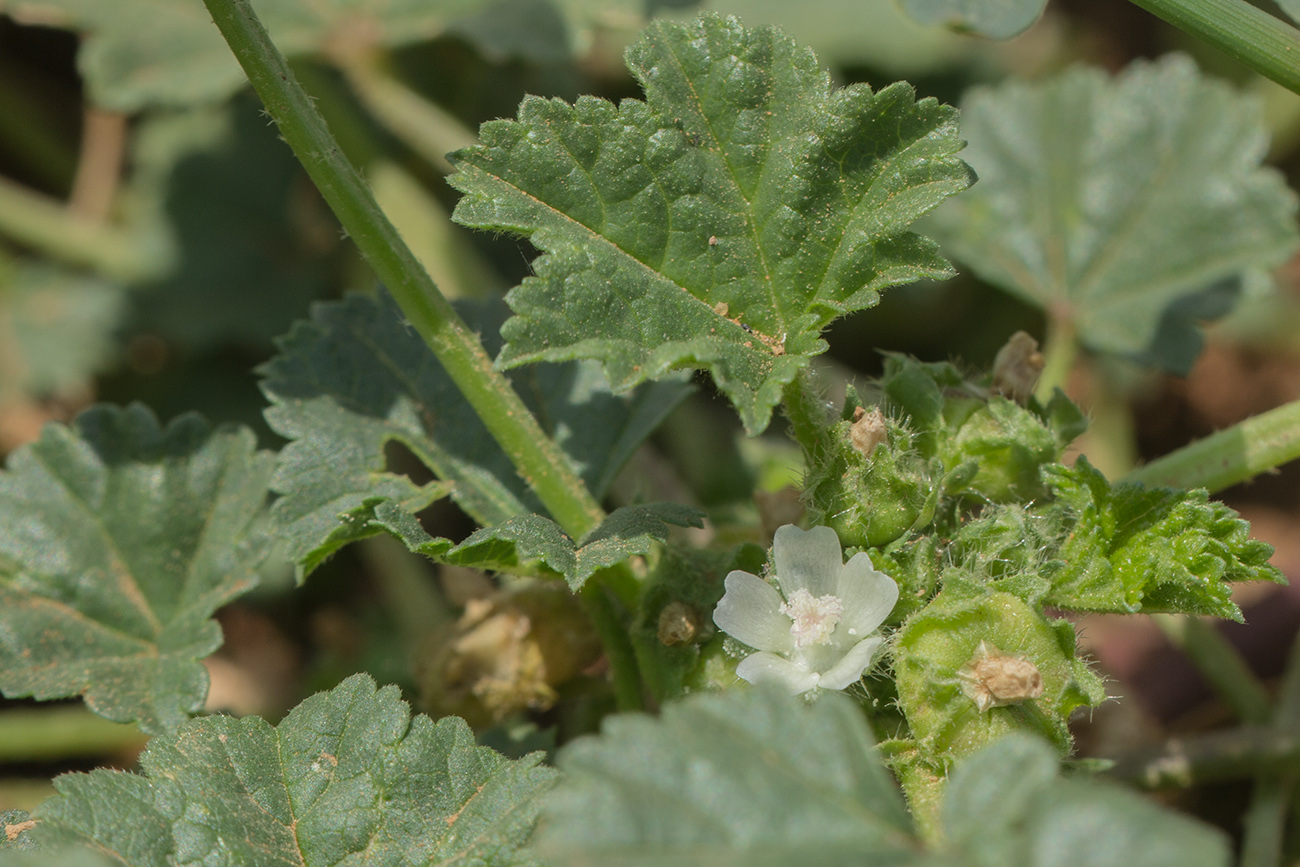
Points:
[(1244, 32), (1229, 456), (537, 458)]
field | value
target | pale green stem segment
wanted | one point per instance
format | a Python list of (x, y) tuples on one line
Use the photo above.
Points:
[(1245, 751), (1270, 803), (47, 226), (537, 458), (63, 732), (807, 414), (422, 126), (1060, 350), (1250, 35), (1221, 664), (1229, 456)]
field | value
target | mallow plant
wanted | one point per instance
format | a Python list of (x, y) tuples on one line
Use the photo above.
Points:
[(886, 676)]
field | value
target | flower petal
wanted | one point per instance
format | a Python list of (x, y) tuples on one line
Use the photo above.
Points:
[(868, 596), (807, 560), (770, 668), (750, 612), (849, 669)]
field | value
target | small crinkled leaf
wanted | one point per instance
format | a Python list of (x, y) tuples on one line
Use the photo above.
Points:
[(721, 224), (748, 777), (348, 778), (526, 542), (1008, 805), (356, 377), (996, 19), (1129, 548), (57, 327), (1105, 201), (122, 538), (141, 53)]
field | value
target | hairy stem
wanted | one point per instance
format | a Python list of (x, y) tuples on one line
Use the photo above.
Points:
[(537, 458), (1245, 33), (1229, 456), (807, 414)]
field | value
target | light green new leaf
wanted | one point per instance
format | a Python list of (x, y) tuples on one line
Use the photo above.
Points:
[(1107, 202), (121, 538), (356, 377), (721, 224), (347, 778), (531, 543), (1130, 549), (1290, 7), (748, 778), (1008, 805), (996, 19), (138, 54)]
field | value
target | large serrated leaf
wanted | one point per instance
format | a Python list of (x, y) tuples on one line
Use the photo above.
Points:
[(1008, 805), (142, 53), (347, 778), (720, 224), (122, 538), (1108, 202), (745, 778), (531, 543), (997, 19), (1132, 549), (356, 377)]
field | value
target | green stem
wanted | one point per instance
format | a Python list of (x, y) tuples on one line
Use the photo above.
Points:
[(1220, 663), (1261, 41), (623, 666), (421, 125), (1264, 825), (1060, 349), (1224, 755), (62, 732), (1229, 456), (47, 226), (924, 790), (807, 414), (537, 458)]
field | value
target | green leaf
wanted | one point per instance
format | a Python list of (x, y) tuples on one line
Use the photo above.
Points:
[(355, 378), (721, 224), (996, 19), (1009, 805), (141, 53), (1290, 7), (1105, 202), (348, 777), (743, 778), (122, 538), (527, 542), (1132, 549), (56, 326)]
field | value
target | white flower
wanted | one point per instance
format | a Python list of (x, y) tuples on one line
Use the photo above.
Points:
[(821, 633)]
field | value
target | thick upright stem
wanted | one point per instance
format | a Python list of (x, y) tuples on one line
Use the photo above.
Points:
[(1250, 35), (538, 460)]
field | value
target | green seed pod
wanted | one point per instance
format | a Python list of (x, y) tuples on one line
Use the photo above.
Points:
[(974, 666), (866, 484)]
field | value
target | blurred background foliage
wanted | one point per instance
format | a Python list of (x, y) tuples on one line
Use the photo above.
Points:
[(155, 236)]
